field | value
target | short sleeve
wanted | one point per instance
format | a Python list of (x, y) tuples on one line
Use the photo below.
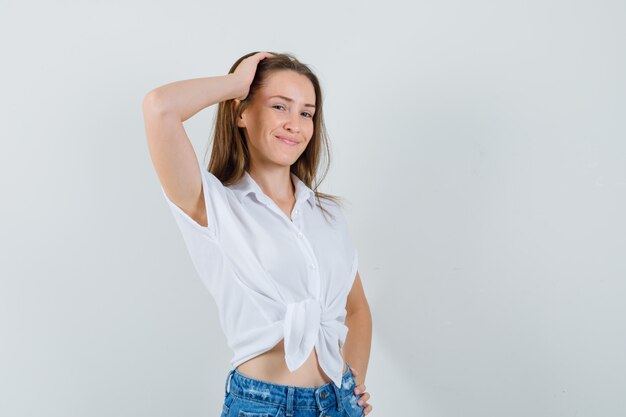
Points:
[(203, 242), (355, 261), (349, 245), (213, 191)]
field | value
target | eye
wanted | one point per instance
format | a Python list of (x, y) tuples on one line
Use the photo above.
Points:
[(308, 115)]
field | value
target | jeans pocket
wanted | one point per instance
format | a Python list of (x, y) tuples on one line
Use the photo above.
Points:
[(349, 400), (252, 414), (350, 405), (251, 408)]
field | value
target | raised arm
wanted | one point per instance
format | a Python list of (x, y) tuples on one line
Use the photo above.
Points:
[(165, 109)]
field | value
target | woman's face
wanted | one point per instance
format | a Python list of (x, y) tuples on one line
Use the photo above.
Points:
[(279, 121)]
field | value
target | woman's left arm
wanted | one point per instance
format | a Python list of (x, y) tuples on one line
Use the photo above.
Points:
[(358, 343)]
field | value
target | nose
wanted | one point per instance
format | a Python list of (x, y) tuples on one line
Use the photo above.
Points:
[(292, 123)]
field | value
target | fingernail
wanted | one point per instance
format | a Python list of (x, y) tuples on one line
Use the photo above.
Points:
[(357, 391)]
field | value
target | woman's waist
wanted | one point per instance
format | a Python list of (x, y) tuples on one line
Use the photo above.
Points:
[(270, 366)]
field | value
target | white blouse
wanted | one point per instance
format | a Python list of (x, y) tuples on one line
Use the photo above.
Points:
[(272, 277)]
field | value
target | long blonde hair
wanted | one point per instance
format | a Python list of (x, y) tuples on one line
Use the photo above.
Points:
[(230, 156)]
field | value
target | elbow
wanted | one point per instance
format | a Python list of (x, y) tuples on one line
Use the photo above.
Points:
[(362, 312), (153, 103)]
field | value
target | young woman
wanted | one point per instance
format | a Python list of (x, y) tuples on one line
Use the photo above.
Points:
[(275, 254)]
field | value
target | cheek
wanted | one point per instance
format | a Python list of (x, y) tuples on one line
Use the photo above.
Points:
[(269, 122), (310, 129)]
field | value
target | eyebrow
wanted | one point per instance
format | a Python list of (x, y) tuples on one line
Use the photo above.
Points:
[(291, 100)]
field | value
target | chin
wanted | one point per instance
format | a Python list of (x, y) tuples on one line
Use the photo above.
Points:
[(285, 160), (287, 163)]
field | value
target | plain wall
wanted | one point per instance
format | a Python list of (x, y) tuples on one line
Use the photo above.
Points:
[(482, 149)]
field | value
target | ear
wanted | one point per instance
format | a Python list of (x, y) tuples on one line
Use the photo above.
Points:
[(241, 122)]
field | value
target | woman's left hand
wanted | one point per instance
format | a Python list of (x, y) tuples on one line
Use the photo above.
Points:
[(360, 390)]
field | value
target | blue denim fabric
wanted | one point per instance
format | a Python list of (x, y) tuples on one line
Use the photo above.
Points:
[(250, 397)]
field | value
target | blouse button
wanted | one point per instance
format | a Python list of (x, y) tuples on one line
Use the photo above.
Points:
[(312, 266), (295, 211), (300, 235)]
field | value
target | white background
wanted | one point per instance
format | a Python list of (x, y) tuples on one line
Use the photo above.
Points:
[(482, 149)]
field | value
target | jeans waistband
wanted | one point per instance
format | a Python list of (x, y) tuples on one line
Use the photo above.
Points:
[(292, 397)]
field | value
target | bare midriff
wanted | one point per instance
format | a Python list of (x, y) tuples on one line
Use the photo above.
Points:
[(270, 367)]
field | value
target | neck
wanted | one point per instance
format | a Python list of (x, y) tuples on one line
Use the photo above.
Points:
[(276, 183)]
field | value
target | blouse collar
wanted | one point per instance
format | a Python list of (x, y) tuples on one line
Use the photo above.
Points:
[(248, 185)]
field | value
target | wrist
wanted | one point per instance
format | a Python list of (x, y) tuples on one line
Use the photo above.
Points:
[(238, 87)]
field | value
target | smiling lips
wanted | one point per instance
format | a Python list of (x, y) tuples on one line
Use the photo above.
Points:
[(287, 140)]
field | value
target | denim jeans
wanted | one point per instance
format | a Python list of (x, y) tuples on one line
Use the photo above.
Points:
[(249, 397)]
